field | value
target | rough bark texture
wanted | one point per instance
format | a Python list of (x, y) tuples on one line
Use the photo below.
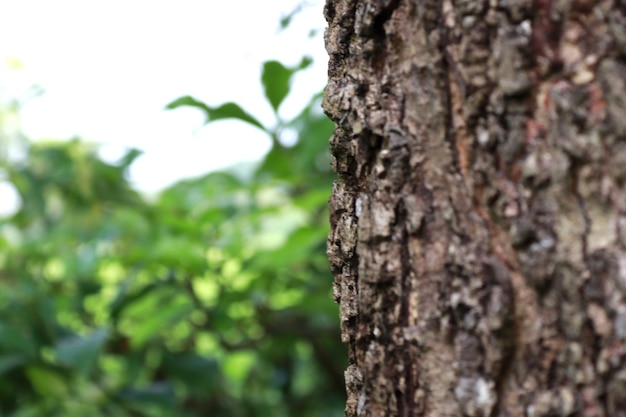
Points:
[(479, 224)]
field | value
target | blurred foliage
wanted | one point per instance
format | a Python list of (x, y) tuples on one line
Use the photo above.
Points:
[(213, 300)]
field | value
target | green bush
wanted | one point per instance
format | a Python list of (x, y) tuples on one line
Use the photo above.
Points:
[(212, 300)]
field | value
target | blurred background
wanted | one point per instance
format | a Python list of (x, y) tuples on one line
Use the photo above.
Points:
[(163, 183)]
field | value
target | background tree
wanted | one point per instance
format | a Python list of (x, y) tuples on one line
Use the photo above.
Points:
[(211, 299), (478, 239)]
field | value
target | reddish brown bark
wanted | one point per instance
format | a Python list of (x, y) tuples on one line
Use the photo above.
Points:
[(478, 231)]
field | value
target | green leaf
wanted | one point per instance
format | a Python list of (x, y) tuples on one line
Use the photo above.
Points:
[(9, 362), (151, 314), (187, 101), (233, 111), (124, 298), (298, 249), (17, 339), (81, 353), (180, 252), (276, 79), (199, 373), (278, 163), (129, 158), (285, 20), (159, 393), (225, 111), (305, 62), (47, 381)]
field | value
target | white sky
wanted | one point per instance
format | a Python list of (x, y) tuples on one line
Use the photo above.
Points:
[(110, 67)]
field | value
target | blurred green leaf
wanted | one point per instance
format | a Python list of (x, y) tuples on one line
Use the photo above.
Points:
[(9, 362), (159, 393), (154, 313), (129, 158), (197, 372), (276, 79), (225, 111), (203, 300), (285, 20), (47, 381), (278, 163), (13, 338), (81, 353), (298, 249)]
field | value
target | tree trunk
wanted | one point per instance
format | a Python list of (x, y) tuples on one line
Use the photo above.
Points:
[(478, 231)]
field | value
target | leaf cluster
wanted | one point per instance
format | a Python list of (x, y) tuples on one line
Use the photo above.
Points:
[(212, 299)]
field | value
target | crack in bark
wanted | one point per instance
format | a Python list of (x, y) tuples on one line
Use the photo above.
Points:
[(446, 68), (407, 409), (580, 201)]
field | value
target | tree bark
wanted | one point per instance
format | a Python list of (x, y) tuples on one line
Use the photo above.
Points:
[(478, 228)]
